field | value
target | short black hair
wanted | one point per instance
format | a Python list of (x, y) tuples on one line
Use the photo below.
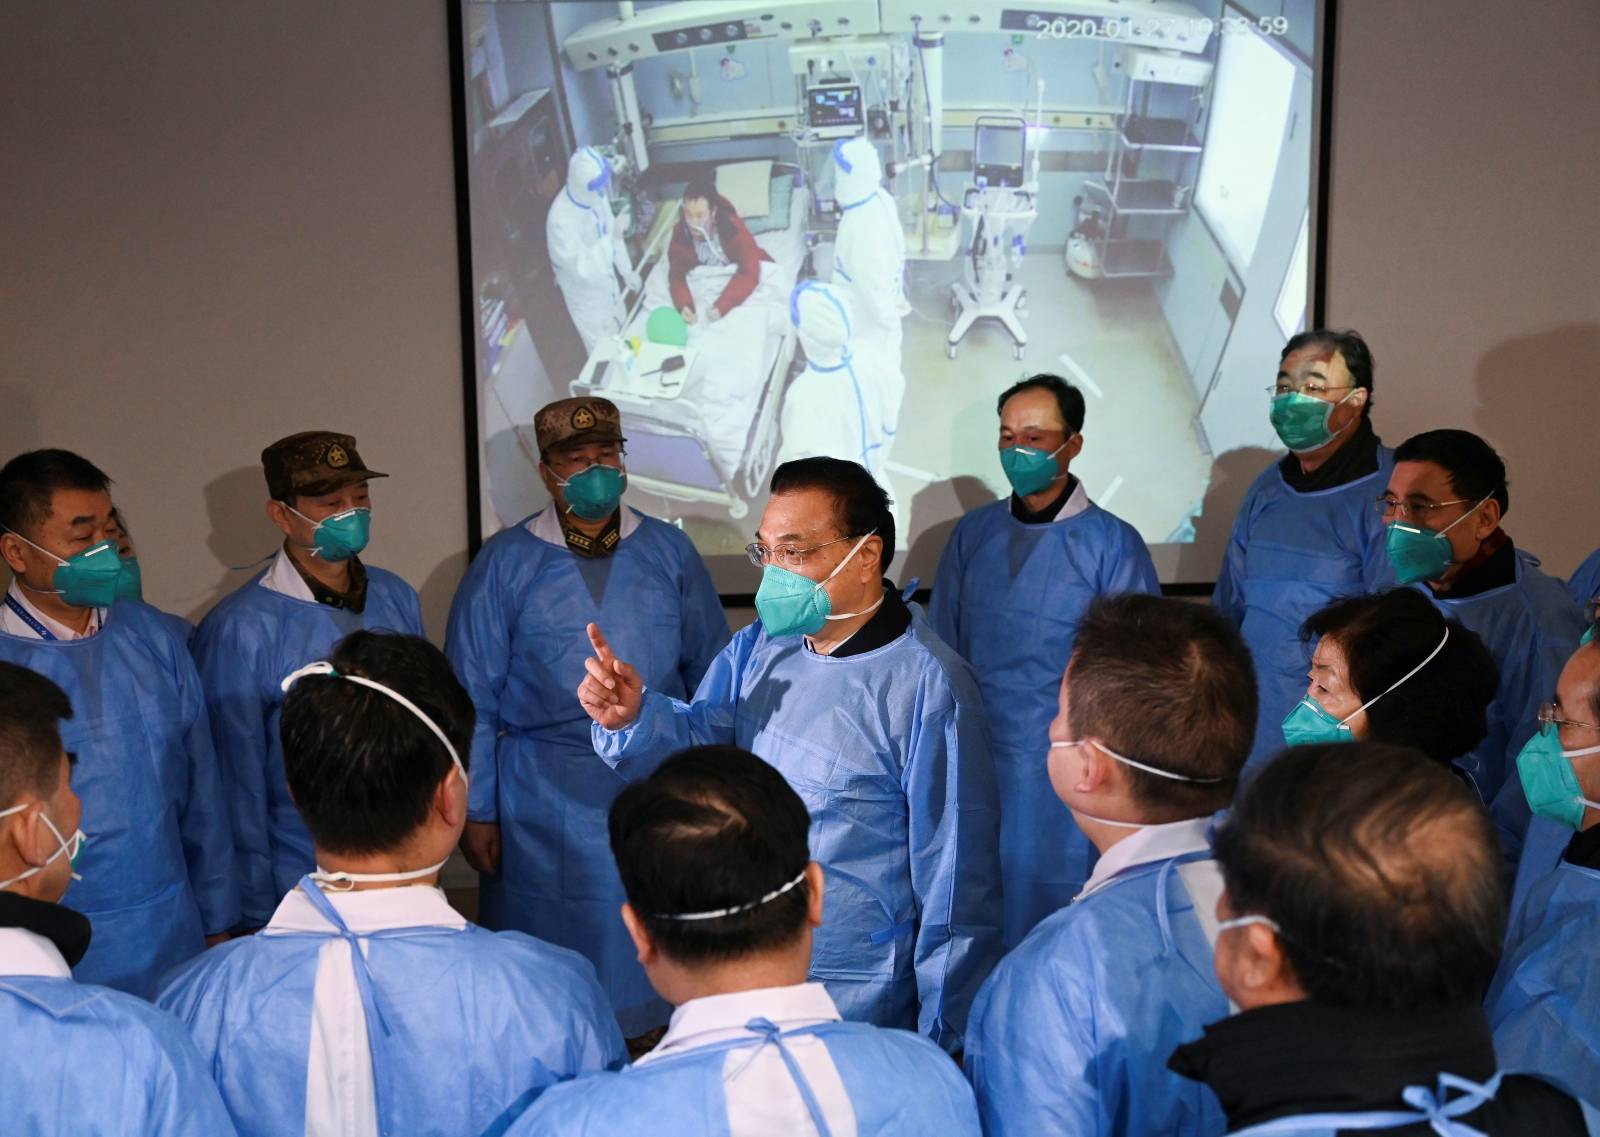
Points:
[(860, 502), (1349, 344), (362, 768), (714, 827), (701, 189), (1168, 683), (31, 711), (1475, 470), (1442, 710), (29, 481), (1380, 867), (1068, 397)]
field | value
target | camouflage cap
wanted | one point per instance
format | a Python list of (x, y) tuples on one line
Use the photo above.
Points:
[(313, 462), (573, 422)]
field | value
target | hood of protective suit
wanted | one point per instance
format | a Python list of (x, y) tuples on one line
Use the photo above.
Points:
[(588, 177), (822, 316), (857, 172)]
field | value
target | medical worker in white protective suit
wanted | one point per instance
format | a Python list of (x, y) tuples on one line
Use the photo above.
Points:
[(830, 409), (586, 250), (869, 262)]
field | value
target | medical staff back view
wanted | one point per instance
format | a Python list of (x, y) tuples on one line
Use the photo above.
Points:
[(158, 875), (1072, 1033), (722, 903), (79, 1059), (367, 1005), (875, 722), (316, 591)]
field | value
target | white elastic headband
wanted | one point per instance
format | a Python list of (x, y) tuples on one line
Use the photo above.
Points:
[(718, 913), (323, 667), (1110, 753), (1402, 678)]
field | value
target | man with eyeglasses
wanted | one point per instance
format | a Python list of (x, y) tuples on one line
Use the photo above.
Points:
[(536, 827), (1544, 1005), (1306, 534), (879, 727), (1441, 514), (1014, 581)]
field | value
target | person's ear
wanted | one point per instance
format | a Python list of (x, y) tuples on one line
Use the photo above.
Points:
[(1074, 446), (1488, 518), (871, 557), (11, 547), (644, 947), (814, 889), (23, 836), (279, 515), (1093, 769), (450, 800)]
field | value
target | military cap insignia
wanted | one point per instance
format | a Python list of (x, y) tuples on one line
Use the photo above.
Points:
[(583, 418), (336, 457)]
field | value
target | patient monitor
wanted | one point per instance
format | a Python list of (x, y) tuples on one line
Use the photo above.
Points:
[(834, 110)]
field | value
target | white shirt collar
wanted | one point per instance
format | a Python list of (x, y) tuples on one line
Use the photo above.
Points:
[(15, 625), (1147, 845), (27, 953), (1076, 503), (546, 525), (284, 579), (717, 1018), (372, 910)]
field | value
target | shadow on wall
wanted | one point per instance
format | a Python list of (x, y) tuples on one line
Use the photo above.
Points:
[(951, 500), (19, 431), (1231, 475), (438, 590), (240, 534), (1548, 444)]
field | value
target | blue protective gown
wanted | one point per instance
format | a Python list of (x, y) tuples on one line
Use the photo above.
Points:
[(1542, 849), (1008, 597), (1292, 553), (899, 1085), (1585, 583), (517, 640), (92, 1062), (158, 870), (1073, 1032), (1434, 1115), (890, 752), (1544, 1005), (464, 1026), (1531, 627), (243, 649)]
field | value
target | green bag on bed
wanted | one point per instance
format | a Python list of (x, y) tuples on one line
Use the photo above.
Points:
[(666, 326)]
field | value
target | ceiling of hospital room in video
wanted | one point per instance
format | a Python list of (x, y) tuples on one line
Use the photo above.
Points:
[(1118, 194)]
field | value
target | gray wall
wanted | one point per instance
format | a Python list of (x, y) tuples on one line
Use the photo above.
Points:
[(224, 223)]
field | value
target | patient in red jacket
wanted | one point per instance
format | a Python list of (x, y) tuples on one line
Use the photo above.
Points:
[(710, 233)]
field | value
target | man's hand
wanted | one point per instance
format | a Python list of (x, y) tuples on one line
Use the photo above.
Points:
[(633, 281), (480, 844), (687, 312), (612, 691), (713, 316)]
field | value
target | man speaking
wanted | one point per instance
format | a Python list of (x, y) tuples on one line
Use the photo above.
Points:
[(875, 722)]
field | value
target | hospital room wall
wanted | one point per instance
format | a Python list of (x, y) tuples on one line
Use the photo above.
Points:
[(224, 226)]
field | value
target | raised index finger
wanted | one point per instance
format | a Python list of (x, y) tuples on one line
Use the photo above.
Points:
[(602, 649)]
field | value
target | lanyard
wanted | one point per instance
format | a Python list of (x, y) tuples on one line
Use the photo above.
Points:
[(26, 616)]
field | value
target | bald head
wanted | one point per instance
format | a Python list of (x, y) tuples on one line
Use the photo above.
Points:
[(1380, 867)]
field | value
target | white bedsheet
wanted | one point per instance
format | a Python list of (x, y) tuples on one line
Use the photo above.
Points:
[(724, 387)]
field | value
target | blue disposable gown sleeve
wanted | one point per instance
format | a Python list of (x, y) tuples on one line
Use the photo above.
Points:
[(954, 832), (203, 824), (1031, 1053), (1228, 596), (231, 673), (1131, 569), (666, 725), (478, 644), (944, 606), (184, 1100), (705, 624)]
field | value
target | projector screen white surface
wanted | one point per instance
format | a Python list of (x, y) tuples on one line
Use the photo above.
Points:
[(1168, 320)]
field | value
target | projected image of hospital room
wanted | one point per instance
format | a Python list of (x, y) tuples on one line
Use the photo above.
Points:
[(844, 227)]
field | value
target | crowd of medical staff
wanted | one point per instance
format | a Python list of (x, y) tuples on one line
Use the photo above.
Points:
[(1319, 857)]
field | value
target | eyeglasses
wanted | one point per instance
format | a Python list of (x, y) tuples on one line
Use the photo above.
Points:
[(784, 556), (1316, 388), (1412, 511), (1550, 715)]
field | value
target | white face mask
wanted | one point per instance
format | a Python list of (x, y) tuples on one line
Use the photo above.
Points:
[(348, 880), (68, 847)]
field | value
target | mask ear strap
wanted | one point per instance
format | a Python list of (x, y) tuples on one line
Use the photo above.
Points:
[(1400, 680)]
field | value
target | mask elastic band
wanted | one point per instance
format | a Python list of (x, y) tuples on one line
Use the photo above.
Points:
[(1397, 682), (1106, 750), (323, 667), (719, 913), (68, 846)]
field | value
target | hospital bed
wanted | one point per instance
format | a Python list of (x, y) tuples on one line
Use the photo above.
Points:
[(709, 432)]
